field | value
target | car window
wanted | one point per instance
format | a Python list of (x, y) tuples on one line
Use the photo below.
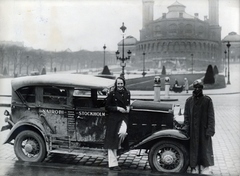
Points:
[(82, 98), (54, 95), (82, 93), (28, 94)]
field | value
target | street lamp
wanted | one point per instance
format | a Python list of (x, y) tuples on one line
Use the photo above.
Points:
[(225, 70), (143, 73), (228, 46), (104, 47), (192, 63), (232, 37), (122, 59), (27, 64)]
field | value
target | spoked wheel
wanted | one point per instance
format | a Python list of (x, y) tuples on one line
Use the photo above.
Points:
[(168, 156), (29, 146)]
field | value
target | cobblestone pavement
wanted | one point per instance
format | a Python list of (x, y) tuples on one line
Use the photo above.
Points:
[(226, 143)]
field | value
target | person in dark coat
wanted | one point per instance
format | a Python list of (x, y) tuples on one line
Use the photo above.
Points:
[(199, 122), (118, 107), (176, 83)]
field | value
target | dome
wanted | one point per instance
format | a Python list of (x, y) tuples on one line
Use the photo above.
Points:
[(176, 7), (232, 37), (176, 10), (129, 40)]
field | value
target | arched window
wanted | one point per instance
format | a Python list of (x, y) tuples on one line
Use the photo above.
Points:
[(176, 46), (182, 46), (204, 46), (181, 28), (158, 46), (200, 46), (153, 45), (164, 46), (170, 46), (188, 29), (149, 47), (200, 31), (172, 29), (188, 46)]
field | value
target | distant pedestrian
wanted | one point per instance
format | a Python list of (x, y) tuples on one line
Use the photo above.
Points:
[(199, 122), (186, 85), (118, 107), (176, 83)]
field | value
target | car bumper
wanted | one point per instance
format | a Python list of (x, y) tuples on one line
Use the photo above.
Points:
[(6, 127)]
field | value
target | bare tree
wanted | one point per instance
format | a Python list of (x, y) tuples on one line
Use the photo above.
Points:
[(14, 54), (39, 61), (2, 56)]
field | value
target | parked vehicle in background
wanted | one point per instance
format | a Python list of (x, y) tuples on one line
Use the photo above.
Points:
[(34, 73), (65, 113)]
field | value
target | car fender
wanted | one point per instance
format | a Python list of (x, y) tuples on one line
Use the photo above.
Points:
[(169, 133), (32, 123)]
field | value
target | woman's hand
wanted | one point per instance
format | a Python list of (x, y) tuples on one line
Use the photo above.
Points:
[(122, 110), (128, 109)]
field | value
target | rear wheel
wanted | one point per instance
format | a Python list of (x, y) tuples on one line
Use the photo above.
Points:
[(168, 156), (29, 146)]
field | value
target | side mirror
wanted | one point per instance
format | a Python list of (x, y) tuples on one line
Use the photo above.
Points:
[(6, 113)]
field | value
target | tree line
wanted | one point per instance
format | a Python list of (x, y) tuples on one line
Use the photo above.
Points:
[(17, 60)]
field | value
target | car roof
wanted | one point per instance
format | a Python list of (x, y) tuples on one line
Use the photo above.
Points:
[(65, 80)]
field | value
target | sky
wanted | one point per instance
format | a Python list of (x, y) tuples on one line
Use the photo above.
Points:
[(57, 25)]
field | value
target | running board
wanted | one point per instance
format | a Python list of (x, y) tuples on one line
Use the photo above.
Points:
[(82, 152)]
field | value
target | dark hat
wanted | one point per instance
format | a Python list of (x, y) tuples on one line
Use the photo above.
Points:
[(198, 84)]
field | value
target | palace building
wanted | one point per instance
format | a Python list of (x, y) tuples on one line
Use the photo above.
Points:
[(178, 38)]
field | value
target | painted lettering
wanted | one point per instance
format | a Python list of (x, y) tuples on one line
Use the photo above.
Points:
[(92, 113), (52, 111)]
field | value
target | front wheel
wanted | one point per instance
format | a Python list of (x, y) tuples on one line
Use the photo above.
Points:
[(168, 156), (29, 146)]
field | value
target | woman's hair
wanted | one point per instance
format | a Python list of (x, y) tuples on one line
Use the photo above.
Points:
[(124, 83)]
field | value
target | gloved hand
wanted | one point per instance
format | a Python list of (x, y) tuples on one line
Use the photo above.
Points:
[(209, 133), (120, 109)]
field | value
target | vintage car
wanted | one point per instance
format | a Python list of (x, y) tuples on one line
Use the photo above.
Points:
[(65, 113)]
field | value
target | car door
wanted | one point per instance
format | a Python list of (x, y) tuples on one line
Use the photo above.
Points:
[(56, 112), (90, 116)]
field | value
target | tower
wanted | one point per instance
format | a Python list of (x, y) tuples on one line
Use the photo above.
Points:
[(215, 29), (147, 12), (213, 12)]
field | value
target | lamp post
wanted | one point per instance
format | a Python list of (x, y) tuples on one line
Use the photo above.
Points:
[(143, 73), (104, 47), (228, 46), (122, 59), (192, 63), (232, 37), (27, 64), (225, 70)]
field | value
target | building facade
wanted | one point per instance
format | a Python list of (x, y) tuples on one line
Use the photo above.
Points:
[(179, 38)]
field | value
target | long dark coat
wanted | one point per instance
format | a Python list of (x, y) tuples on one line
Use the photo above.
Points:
[(200, 121), (115, 118)]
